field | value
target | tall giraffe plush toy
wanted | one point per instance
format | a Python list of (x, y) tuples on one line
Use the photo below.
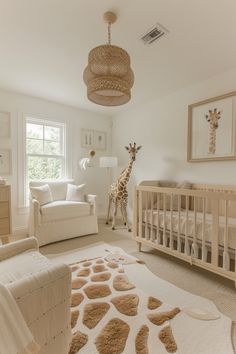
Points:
[(118, 194)]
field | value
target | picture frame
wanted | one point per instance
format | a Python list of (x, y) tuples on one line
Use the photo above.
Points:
[(5, 125), (212, 129), (99, 140), (5, 162), (87, 138)]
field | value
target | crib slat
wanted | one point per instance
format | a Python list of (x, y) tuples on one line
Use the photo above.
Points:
[(146, 216), (226, 258), (178, 237), (194, 250), (195, 218), (215, 233), (204, 248), (158, 218), (171, 221), (152, 235), (186, 243), (164, 214)]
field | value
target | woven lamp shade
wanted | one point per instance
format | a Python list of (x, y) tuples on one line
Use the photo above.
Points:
[(108, 76)]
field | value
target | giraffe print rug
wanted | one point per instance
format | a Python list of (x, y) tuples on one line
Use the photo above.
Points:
[(112, 312)]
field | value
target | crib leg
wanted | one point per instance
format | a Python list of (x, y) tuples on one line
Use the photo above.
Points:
[(139, 244)]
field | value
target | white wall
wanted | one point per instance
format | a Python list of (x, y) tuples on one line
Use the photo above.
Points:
[(160, 126), (20, 106)]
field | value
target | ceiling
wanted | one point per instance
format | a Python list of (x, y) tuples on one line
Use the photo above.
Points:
[(45, 43)]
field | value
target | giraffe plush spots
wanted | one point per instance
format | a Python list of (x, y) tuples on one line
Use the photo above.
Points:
[(118, 194), (212, 118)]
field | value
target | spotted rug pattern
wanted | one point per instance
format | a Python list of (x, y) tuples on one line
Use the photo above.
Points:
[(109, 314)]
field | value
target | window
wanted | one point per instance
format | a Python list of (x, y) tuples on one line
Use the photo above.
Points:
[(45, 152)]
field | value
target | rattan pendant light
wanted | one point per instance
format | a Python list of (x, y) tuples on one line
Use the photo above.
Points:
[(108, 76)]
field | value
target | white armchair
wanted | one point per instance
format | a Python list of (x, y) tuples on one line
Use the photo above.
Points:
[(61, 219), (42, 291)]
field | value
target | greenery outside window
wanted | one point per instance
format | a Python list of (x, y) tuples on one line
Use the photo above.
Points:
[(45, 150)]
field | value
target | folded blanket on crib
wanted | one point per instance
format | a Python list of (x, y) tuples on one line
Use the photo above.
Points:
[(15, 336)]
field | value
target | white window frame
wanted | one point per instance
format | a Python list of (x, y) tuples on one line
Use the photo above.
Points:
[(23, 192), (62, 156)]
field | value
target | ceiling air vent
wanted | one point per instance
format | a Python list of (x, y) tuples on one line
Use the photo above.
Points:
[(154, 33)]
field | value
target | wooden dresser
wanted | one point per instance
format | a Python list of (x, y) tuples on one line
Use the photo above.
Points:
[(5, 213)]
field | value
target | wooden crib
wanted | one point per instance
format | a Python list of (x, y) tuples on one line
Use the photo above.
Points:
[(197, 225)]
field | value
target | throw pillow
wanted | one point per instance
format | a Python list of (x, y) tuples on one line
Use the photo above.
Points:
[(75, 193), (42, 194)]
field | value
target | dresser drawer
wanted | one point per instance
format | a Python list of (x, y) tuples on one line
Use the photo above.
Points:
[(4, 210), (4, 226), (4, 194)]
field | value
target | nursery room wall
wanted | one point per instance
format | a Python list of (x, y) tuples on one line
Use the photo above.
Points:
[(21, 106), (160, 126)]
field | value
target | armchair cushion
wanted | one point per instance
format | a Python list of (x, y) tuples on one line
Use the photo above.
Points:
[(43, 194), (75, 193), (64, 209)]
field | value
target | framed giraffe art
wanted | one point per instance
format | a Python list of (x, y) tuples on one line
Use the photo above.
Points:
[(212, 129)]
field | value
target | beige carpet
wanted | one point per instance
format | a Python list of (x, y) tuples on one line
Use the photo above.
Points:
[(195, 280)]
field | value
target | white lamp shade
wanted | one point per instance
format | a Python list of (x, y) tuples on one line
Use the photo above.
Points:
[(108, 161)]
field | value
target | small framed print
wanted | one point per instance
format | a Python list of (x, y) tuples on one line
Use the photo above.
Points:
[(5, 162), (212, 129), (87, 138), (99, 140), (5, 125)]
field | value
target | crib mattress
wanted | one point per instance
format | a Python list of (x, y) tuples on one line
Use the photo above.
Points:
[(147, 216)]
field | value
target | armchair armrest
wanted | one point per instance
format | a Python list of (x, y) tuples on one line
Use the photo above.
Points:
[(17, 247), (91, 198)]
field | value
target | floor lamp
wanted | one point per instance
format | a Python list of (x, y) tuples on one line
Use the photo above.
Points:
[(108, 162)]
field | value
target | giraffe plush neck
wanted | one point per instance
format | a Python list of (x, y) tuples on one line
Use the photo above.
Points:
[(125, 175), (118, 195)]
